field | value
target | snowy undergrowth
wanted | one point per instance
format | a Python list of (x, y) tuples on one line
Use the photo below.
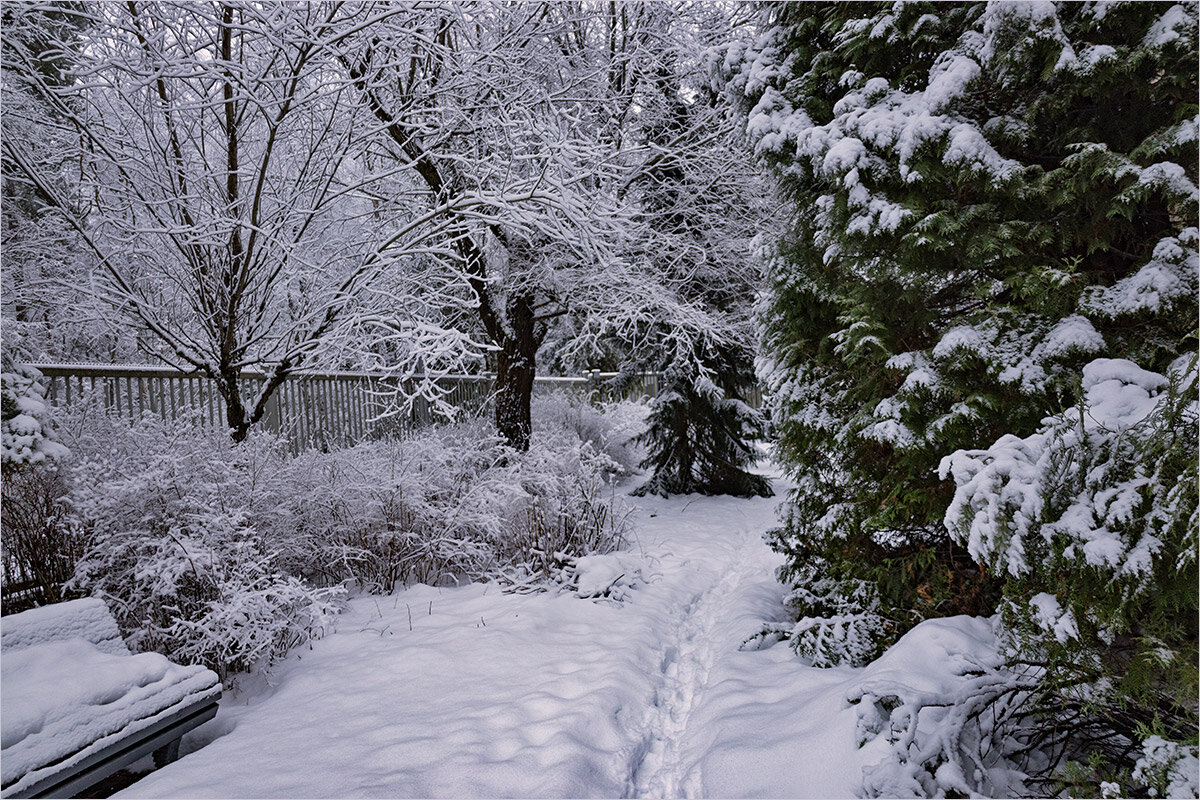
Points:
[(470, 692), (231, 555), (473, 692)]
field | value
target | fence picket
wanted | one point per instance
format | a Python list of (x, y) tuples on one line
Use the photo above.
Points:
[(324, 410)]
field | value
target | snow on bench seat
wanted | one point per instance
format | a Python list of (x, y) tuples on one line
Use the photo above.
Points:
[(86, 619), (73, 695)]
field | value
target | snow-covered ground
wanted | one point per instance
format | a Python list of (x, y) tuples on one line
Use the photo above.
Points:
[(471, 692)]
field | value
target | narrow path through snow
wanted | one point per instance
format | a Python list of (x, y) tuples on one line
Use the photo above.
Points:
[(659, 769), (470, 692)]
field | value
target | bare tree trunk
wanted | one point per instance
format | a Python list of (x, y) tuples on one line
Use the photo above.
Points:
[(235, 408), (516, 367)]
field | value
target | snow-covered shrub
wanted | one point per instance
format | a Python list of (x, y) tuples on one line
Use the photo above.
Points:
[(837, 622), (1093, 521), (387, 513), (608, 576), (1168, 769), (162, 507), (251, 613), (214, 551), (27, 435), (38, 546), (568, 506), (956, 720), (611, 428), (445, 504), (37, 549)]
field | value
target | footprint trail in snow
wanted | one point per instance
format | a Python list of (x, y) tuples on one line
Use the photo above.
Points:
[(659, 767)]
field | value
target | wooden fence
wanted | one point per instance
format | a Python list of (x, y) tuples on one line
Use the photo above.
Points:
[(325, 410)]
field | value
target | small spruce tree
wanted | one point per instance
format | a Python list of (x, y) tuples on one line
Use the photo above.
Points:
[(694, 205), (700, 430)]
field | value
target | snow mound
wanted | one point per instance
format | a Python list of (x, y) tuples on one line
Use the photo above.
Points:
[(85, 619), (610, 575), (66, 697), (924, 697)]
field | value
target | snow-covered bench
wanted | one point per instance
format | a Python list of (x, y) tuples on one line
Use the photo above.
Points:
[(77, 706)]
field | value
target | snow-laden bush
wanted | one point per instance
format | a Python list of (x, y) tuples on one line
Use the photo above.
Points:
[(27, 436), (568, 505), (611, 428), (37, 549), (447, 504), (954, 718), (837, 622), (1168, 769), (1084, 685), (611, 577), (230, 554), (1093, 522), (163, 509), (387, 513)]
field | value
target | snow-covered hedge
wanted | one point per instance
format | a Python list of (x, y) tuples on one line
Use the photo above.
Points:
[(450, 504), (230, 554), (949, 712)]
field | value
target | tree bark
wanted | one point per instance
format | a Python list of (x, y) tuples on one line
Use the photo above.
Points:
[(516, 367)]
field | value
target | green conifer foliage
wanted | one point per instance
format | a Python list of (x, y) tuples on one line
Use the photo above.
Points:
[(983, 198), (700, 430), (694, 198)]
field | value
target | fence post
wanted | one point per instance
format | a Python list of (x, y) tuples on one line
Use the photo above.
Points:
[(271, 416)]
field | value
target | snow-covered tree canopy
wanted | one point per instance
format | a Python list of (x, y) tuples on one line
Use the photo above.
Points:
[(277, 185), (215, 174), (555, 117)]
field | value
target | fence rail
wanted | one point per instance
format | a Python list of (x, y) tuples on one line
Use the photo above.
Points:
[(312, 409)]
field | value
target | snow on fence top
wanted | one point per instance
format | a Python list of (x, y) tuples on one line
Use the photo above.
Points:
[(325, 409)]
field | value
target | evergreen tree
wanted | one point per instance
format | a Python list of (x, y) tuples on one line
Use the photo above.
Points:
[(989, 203), (700, 429), (27, 434), (984, 198)]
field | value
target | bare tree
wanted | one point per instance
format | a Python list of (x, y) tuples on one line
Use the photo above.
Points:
[(217, 173), (535, 101), (259, 185)]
